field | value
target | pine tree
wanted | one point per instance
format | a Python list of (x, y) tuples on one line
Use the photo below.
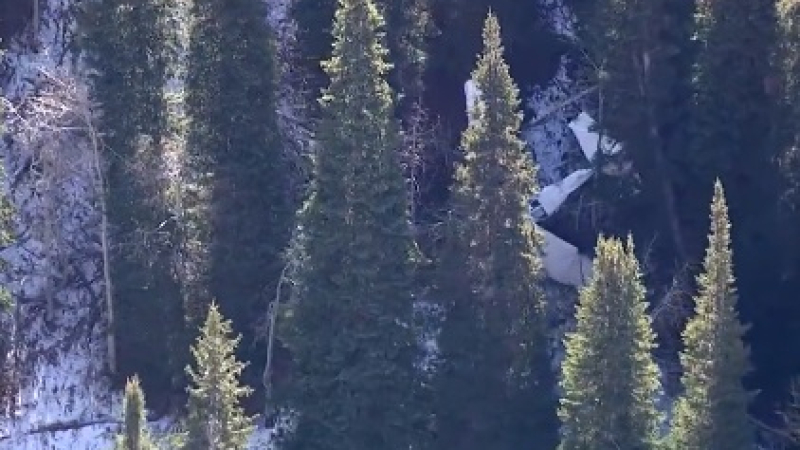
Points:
[(237, 212), (641, 60), (134, 429), (9, 382), (730, 124), (788, 62), (130, 47), (494, 325), (408, 25), (788, 59), (609, 379), (216, 420), (349, 326), (711, 414)]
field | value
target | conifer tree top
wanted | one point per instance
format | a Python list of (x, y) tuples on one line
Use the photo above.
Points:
[(216, 419), (712, 411), (134, 431), (719, 255), (492, 74), (609, 378), (357, 38)]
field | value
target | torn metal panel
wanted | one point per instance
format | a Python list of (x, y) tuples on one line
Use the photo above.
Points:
[(590, 140), (551, 197), (563, 262)]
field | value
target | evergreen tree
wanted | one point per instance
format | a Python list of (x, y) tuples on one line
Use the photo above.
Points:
[(408, 26), (134, 427), (9, 381), (641, 60), (731, 123), (788, 62), (711, 414), (216, 420), (236, 195), (495, 386), (609, 379), (129, 45), (349, 327)]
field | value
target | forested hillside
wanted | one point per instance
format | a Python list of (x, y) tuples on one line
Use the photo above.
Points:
[(400, 224)]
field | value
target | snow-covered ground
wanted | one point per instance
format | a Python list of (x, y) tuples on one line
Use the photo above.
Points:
[(65, 400)]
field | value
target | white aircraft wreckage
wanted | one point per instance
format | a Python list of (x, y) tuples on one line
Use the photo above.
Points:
[(562, 261)]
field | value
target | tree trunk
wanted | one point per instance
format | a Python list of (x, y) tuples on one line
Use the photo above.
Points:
[(273, 319), (35, 20), (643, 68), (104, 241)]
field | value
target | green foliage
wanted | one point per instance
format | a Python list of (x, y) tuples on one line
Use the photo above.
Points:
[(408, 26), (216, 420), (130, 47), (7, 234), (711, 414), (134, 429), (640, 55), (788, 63), (457, 24), (236, 208), (609, 378), (7, 237), (349, 327), (731, 120), (495, 386), (9, 382)]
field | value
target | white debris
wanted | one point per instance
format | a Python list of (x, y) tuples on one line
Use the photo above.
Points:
[(590, 140), (551, 197), (563, 263), (472, 94)]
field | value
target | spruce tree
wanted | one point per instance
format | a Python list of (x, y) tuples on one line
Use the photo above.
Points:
[(129, 45), (609, 379), (216, 420), (788, 59), (788, 62), (134, 426), (9, 381), (408, 26), (495, 387), (350, 324), (711, 414), (641, 60), (730, 123), (236, 213)]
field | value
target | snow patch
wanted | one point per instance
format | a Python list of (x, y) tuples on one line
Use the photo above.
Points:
[(547, 132)]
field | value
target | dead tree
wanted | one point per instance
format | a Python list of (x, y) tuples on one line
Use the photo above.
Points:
[(55, 127), (272, 317)]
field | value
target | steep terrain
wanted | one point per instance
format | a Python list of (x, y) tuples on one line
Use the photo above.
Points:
[(56, 268), (57, 265)]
